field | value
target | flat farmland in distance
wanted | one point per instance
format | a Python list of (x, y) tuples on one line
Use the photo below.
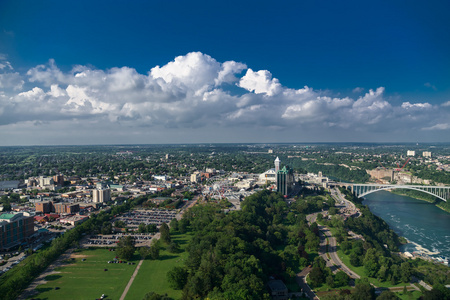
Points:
[(78, 279)]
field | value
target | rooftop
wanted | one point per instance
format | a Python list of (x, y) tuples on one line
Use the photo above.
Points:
[(7, 216)]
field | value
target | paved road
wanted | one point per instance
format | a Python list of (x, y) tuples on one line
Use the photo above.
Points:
[(131, 280), (301, 281), (334, 262)]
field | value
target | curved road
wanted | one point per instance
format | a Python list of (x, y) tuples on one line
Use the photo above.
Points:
[(301, 281), (328, 245)]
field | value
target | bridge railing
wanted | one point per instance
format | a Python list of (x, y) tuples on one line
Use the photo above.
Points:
[(361, 189)]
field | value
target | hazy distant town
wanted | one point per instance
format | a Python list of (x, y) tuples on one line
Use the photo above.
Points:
[(117, 198)]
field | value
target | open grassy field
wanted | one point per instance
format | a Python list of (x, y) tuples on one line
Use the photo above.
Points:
[(152, 274), (87, 279)]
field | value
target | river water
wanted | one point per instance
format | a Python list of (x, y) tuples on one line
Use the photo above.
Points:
[(426, 227)]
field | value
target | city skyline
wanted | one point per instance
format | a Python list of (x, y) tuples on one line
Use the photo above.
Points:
[(199, 72)]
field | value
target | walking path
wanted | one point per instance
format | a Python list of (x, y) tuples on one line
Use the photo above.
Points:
[(131, 280), (31, 289)]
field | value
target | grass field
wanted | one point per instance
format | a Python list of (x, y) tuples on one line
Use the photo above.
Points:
[(87, 279), (410, 295), (152, 274)]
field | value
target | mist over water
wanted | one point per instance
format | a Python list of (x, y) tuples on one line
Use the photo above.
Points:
[(426, 227)]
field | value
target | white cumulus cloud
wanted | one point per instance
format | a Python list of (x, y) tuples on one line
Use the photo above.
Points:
[(195, 92), (260, 82)]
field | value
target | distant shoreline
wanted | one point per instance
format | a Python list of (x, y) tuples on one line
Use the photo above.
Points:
[(397, 192)]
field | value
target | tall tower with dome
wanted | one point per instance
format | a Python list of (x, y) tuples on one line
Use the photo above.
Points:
[(277, 164)]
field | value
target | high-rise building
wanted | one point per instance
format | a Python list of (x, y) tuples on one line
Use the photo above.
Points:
[(426, 154), (411, 153), (45, 181), (14, 229), (285, 180), (277, 164), (196, 177), (101, 195), (59, 179)]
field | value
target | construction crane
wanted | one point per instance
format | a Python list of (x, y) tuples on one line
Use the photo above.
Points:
[(400, 169)]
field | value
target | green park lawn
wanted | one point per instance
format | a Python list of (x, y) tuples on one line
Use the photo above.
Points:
[(152, 274), (409, 295), (87, 279)]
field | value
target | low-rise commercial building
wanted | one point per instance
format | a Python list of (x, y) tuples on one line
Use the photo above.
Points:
[(66, 208), (73, 220)]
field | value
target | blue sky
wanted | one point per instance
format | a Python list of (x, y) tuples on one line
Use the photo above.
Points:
[(83, 72)]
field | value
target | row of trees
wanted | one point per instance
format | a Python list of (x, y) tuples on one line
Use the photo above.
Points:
[(18, 278)]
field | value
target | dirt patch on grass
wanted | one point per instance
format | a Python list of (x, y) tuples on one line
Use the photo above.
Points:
[(79, 256)]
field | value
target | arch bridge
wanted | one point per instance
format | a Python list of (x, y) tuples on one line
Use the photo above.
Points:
[(361, 190)]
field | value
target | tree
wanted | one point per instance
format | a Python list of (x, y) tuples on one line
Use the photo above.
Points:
[(6, 207), (182, 225), (291, 217), (119, 224), (155, 296), (144, 252), (154, 250), (363, 291), (151, 228), (174, 224), (346, 246), (330, 281), (165, 233), (177, 277), (332, 211), (405, 271), (316, 276), (173, 247), (382, 273), (354, 260), (341, 279), (438, 292), (106, 228), (125, 247), (387, 295), (142, 228)]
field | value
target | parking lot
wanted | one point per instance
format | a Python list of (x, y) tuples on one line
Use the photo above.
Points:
[(134, 218), (110, 240)]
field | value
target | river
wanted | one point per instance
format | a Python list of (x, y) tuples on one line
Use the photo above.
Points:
[(425, 226)]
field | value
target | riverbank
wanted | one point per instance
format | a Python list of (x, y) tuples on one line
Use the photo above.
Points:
[(424, 226), (421, 196)]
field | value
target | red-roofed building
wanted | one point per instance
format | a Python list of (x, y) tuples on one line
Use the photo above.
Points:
[(52, 216), (41, 219)]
